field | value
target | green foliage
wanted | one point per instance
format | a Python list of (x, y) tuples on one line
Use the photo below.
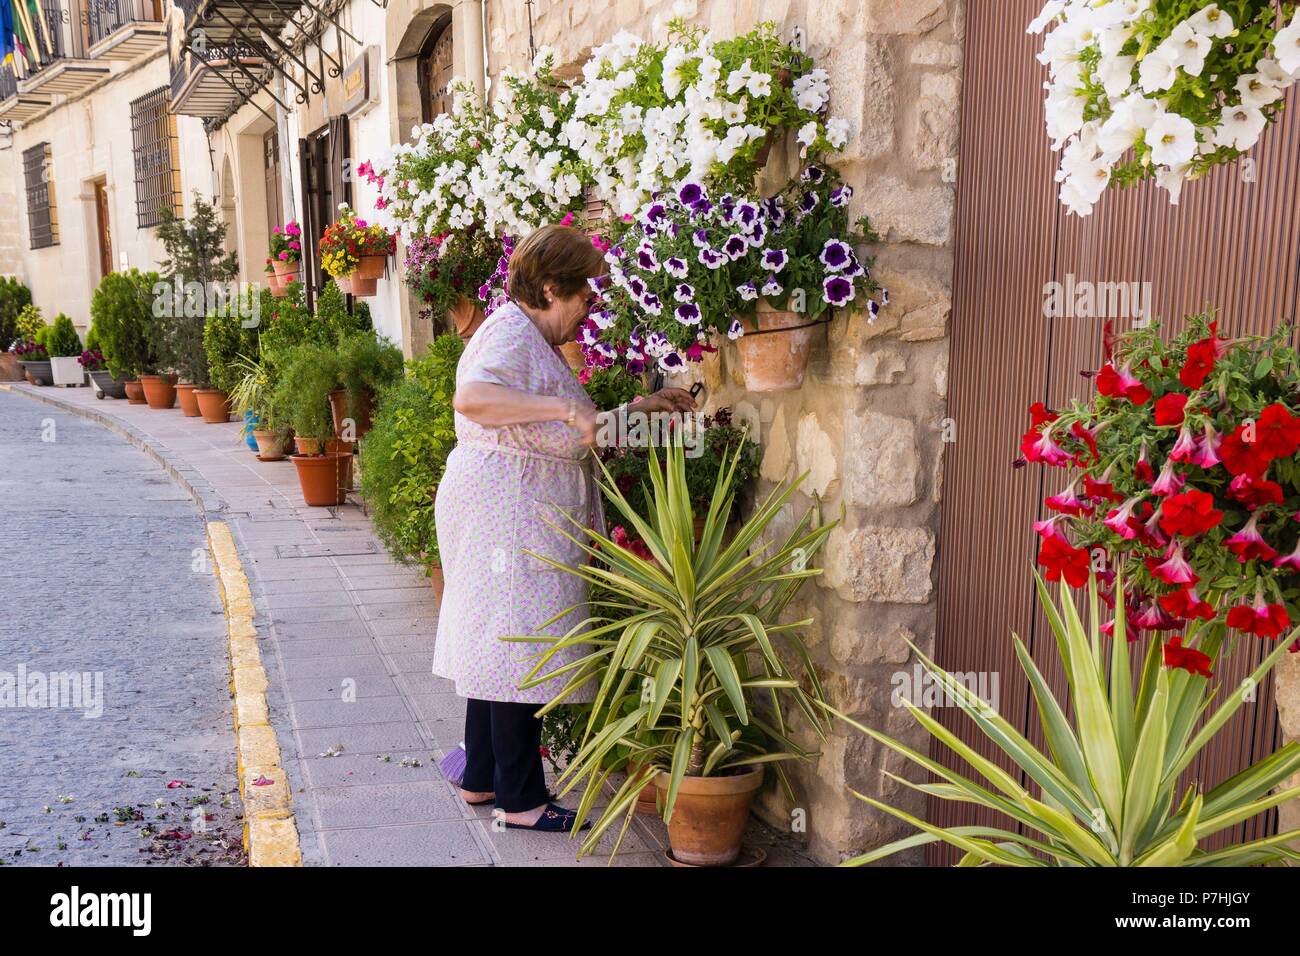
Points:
[(252, 393), (30, 321), (42, 337), (92, 338), (610, 387), (13, 297), (699, 623), (63, 340), (195, 249), (122, 310), (332, 312), (225, 339), (1105, 791), (367, 364), (405, 453), (305, 375)]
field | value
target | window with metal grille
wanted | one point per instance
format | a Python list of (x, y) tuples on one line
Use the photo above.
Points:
[(157, 163), (42, 216)]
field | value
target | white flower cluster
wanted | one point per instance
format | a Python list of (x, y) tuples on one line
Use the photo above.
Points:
[(1108, 92)]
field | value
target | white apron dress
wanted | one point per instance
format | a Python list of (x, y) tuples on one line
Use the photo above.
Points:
[(500, 485)]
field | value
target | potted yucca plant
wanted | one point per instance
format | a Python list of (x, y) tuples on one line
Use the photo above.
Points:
[(682, 644), (1105, 791)]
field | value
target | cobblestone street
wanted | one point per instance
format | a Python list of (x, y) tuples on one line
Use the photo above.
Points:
[(104, 565)]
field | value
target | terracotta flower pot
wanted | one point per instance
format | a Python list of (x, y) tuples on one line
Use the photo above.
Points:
[(306, 446), (10, 369), (276, 285), (344, 283), (321, 477), (467, 315), (645, 800), (214, 404), (270, 447), (774, 355), (709, 816), (159, 390), (572, 353), (437, 580), (364, 288), (361, 417), (286, 272), (370, 267), (134, 392), (187, 400)]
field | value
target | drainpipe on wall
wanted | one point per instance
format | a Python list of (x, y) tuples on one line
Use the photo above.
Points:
[(472, 23), (288, 149)]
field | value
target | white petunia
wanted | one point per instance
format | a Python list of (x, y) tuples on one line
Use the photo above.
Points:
[(1126, 124), (1116, 74), (1257, 90), (1241, 127), (1190, 48), (1158, 70), (837, 132), (1212, 22), (1286, 47), (806, 136), (1051, 10), (1172, 139)]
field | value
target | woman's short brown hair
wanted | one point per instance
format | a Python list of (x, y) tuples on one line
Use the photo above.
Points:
[(559, 255)]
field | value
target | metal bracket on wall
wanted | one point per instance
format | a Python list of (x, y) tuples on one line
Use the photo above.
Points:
[(244, 94), (317, 82)]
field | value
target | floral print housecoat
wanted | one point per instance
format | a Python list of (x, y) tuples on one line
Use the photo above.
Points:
[(500, 486)]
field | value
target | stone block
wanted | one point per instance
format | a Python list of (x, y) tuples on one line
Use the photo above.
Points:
[(903, 16), (816, 455), (882, 467), (882, 564), (900, 212)]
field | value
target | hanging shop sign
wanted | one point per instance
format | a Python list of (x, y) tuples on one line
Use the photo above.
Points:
[(360, 82)]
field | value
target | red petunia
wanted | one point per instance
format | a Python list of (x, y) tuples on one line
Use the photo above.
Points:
[(1201, 357), (1242, 457), (1100, 489), (1121, 384), (1253, 492), (1171, 409), (1188, 658), (1277, 433), (1189, 513), (1063, 560), (1260, 619), (1089, 438), (1186, 604)]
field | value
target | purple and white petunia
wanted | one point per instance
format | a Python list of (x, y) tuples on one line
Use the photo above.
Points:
[(657, 345), (602, 318), (701, 238), (812, 174), (757, 234), (735, 246), (636, 286), (746, 215), (808, 203), (748, 291), (684, 292), (645, 257), (836, 256), (688, 314), (653, 212), (873, 310), (837, 290), (735, 330), (840, 196), (711, 258), (774, 260), (771, 287), (652, 304), (775, 210), (671, 362), (676, 267), (689, 193)]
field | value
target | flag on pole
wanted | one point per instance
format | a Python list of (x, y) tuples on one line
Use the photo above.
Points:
[(6, 34)]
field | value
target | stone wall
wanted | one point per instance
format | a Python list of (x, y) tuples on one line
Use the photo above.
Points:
[(868, 424), (11, 258)]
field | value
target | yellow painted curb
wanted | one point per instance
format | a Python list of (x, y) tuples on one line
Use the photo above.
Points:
[(270, 834)]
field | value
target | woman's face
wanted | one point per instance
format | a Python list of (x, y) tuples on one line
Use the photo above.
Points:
[(566, 314)]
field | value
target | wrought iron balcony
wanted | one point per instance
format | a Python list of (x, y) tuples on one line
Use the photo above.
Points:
[(233, 21), (124, 29), (65, 67), (213, 82), (15, 105)]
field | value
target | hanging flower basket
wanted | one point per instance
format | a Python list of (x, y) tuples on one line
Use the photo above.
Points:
[(774, 353), (357, 251)]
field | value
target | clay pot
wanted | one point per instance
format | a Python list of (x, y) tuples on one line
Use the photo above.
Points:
[(364, 288), (572, 353), (270, 447), (344, 283), (159, 390), (276, 285), (10, 368), (187, 400), (709, 816), (361, 416), (134, 392), (467, 315), (286, 272), (774, 360), (214, 404), (436, 580), (645, 800), (38, 373), (310, 446), (321, 478)]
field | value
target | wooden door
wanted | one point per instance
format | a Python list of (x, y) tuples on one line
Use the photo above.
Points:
[(436, 70), (103, 233)]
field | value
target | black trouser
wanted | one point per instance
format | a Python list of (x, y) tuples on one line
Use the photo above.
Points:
[(501, 753)]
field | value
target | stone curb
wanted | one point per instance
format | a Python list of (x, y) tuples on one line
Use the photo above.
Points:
[(191, 481), (270, 833)]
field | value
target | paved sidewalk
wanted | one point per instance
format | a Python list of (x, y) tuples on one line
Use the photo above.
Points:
[(347, 641)]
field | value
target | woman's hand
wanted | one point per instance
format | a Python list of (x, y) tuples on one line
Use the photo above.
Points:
[(664, 400), (587, 423)]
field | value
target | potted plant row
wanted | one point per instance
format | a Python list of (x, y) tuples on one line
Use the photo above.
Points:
[(14, 298)]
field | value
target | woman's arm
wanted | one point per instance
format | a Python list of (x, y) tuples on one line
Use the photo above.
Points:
[(495, 406)]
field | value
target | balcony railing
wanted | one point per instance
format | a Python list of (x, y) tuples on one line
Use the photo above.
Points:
[(65, 67), (213, 83), (124, 29), (15, 105)]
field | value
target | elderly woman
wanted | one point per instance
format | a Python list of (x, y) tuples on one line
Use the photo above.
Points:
[(524, 430)]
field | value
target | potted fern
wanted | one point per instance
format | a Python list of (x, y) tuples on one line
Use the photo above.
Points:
[(251, 397), (306, 376), (682, 645)]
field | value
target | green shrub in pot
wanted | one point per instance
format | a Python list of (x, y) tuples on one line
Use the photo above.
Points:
[(122, 308), (14, 296), (63, 339), (305, 376), (367, 364), (226, 337), (682, 643), (405, 452)]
